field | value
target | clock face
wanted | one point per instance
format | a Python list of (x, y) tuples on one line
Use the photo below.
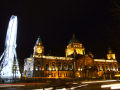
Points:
[(39, 49)]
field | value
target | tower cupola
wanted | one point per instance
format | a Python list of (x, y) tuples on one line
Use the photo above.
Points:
[(110, 54), (74, 46), (38, 48)]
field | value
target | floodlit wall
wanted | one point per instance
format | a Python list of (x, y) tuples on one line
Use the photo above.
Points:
[(28, 67)]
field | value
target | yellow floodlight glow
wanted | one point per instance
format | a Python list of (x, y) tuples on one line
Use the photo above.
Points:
[(54, 57), (118, 75), (102, 60)]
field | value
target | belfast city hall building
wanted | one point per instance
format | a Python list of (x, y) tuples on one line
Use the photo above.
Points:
[(76, 63)]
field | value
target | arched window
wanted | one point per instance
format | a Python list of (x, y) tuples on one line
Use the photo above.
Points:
[(99, 67), (103, 68), (116, 69), (106, 67), (70, 67), (111, 67), (47, 67), (59, 66), (36, 68), (65, 66), (53, 66), (39, 67), (80, 68)]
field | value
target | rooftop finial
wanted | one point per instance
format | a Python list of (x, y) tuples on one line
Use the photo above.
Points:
[(109, 50), (73, 37), (39, 40)]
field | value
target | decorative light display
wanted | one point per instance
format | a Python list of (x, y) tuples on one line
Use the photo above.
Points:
[(9, 67)]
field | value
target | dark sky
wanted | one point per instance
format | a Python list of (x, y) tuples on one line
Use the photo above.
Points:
[(96, 24)]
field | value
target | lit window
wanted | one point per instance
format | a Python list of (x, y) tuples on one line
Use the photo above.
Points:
[(116, 69), (70, 67), (53, 66), (65, 67), (80, 68), (59, 66), (99, 67), (36, 68), (39, 68), (103, 68), (106, 67), (111, 67), (47, 67)]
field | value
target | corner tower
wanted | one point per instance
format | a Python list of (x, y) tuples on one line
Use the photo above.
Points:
[(74, 46), (110, 54), (38, 48)]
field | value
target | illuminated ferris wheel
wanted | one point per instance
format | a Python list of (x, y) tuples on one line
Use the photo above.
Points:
[(9, 67)]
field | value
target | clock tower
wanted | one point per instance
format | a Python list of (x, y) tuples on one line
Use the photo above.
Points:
[(38, 48)]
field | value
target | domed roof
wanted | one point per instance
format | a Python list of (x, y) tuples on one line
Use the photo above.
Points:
[(39, 40), (110, 51), (74, 40)]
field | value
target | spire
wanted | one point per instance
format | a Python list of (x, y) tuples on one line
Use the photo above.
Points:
[(74, 40), (109, 50), (110, 54), (73, 37), (31, 55), (38, 48), (39, 41)]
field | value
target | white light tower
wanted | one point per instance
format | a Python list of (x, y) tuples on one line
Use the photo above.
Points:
[(9, 67)]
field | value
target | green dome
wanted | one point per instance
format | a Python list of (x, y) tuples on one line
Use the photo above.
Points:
[(74, 40), (39, 40)]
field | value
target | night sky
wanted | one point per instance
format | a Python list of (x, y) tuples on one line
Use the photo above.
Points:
[(96, 24)]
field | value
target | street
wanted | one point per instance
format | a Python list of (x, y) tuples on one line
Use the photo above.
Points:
[(83, 85)]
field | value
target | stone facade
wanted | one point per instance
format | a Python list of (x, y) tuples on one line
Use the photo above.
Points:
[(76, 64)]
